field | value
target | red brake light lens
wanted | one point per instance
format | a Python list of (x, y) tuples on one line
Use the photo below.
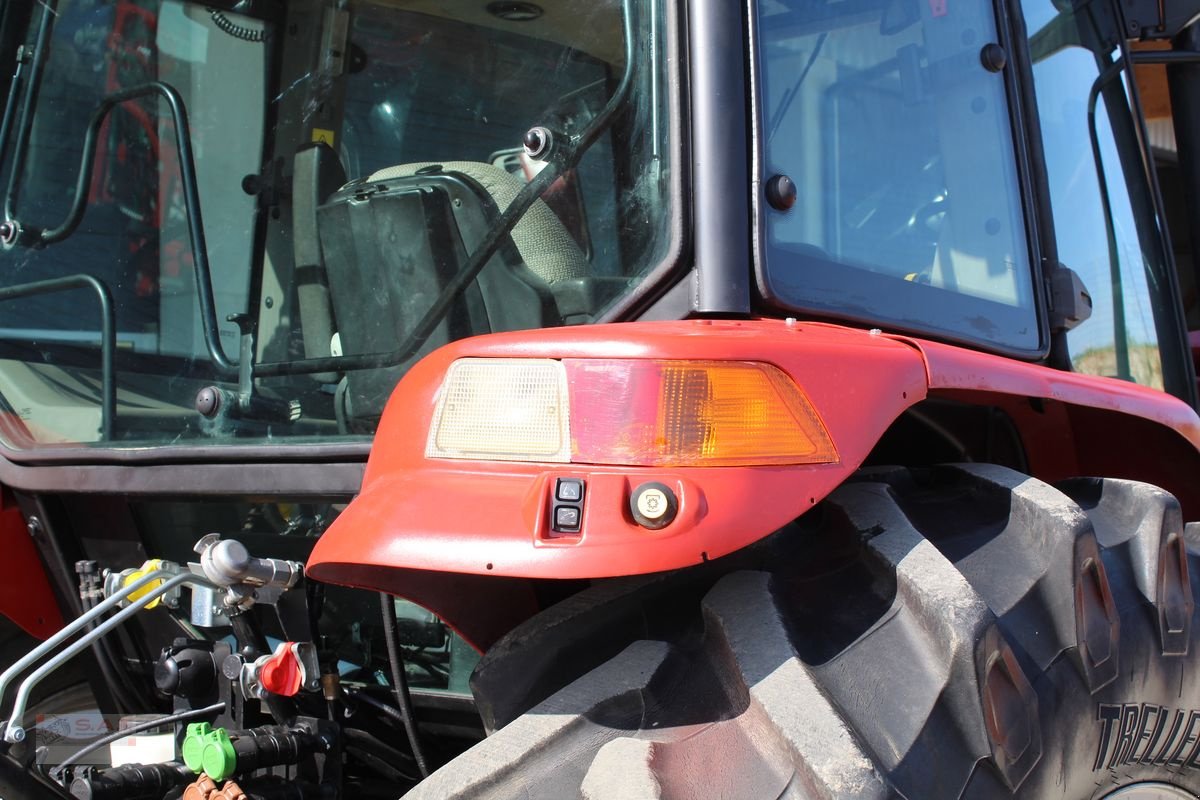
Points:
[(691, 413)]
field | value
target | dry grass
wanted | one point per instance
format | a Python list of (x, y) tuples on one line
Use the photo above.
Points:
[(1145, 364)]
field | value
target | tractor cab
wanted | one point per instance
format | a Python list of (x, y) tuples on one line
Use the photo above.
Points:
[(262, 215), (599, 398)]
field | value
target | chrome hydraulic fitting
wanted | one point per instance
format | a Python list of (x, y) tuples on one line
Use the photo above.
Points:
[(247, 580)]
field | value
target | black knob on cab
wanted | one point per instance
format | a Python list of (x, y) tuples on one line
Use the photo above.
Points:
[(537, 142), (781, 192), (993, 57)]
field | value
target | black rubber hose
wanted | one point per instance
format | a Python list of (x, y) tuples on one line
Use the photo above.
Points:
[(249, 633), (362, 741), (377, 764), (370, 742), (399, 682), (170, 719), (378, 705)]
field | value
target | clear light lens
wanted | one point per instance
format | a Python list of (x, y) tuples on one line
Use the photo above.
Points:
[(502, 409)]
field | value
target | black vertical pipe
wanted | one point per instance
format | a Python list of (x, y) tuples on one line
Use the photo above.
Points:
[(1183, 82), (720, 154), (10, 106), (400, 682)]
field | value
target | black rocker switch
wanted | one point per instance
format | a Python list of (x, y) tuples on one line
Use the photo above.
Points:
[(569, 490), (568, 505)]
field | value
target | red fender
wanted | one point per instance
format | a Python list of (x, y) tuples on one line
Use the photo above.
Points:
[(1080, 424), (486, 518), (417, 515)]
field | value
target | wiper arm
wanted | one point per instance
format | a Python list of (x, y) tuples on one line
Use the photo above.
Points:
[(565, 157), (785, 102), (13, 233)]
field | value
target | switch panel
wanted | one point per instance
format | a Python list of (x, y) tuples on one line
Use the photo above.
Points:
[(568, 505)]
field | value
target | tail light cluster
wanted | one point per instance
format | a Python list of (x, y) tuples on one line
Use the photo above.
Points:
[(626, 412)]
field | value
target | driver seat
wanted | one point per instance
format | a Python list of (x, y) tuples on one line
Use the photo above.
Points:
[(542, 240), (392, 242)]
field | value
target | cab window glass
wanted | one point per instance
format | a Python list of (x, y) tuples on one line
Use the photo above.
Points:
[(1105, 223), (351, 162), (889, 124)]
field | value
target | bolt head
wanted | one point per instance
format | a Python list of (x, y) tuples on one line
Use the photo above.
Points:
[(208, 401), (537, 141)]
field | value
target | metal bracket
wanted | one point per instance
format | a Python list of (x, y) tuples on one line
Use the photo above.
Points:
[(1070, 300), (1155, 19)]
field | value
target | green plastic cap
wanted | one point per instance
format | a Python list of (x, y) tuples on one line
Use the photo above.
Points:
[(208, 750), (193, 745), (219, 759)]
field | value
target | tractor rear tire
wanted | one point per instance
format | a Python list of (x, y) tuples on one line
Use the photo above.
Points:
[(959, 632)]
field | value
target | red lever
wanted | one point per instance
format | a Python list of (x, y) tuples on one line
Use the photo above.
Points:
[(282, 673)]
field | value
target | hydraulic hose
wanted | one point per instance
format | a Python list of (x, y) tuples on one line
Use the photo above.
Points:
[(399, 681), (384, 708), (379, 765), (369, 743)]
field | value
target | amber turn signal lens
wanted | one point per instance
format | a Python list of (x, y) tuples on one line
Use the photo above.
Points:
[(691, 413)]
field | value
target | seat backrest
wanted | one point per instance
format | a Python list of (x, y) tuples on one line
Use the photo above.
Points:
[(544, 243), (393, 242)]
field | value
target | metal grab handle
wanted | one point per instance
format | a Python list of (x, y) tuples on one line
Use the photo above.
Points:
[(191, 196), (14, 232), (13, 732), (108, 340)]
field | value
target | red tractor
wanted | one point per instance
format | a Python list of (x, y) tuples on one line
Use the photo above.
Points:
[(612, 399)]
